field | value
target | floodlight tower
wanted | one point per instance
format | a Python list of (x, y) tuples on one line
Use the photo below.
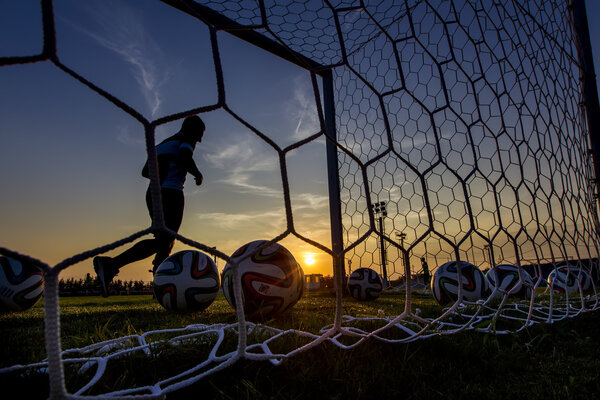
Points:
[(380, 212), (401, 236), (488, 249)]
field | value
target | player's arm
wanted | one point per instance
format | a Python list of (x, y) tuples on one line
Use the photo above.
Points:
[(146, 171), (185, 154)]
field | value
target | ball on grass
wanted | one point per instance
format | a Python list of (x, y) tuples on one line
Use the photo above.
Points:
[(21, 284), (509, 281), (365, 284), (444, 284), (186, 281), (271, 280), (566, 279)]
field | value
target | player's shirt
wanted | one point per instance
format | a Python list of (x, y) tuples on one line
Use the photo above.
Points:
[(172, 171)]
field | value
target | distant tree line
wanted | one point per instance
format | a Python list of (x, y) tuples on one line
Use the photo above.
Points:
[(89, 286), (327, 282)]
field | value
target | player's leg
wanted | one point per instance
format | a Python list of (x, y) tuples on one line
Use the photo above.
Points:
[(108, 267), (173, 204)]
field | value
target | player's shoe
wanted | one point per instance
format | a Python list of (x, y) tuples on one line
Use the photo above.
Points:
[(105, 271)]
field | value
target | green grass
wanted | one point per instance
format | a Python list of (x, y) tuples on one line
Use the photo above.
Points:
[(554, 361)]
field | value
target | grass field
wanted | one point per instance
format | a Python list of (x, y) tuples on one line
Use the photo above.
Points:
[(557, 361)]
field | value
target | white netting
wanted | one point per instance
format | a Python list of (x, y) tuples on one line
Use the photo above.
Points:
[(463, 118)]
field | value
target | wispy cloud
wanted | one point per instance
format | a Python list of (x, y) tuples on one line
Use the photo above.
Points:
[(247, 165), (243, 182), (120, 29), (271, 219), (243, 153), (125, 136), (310, 201), (301, 108), (270, 222), (243, 161)]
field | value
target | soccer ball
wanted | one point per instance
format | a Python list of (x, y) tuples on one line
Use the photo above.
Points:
[(444, 284), (272, 281), (21, 284), (365, 284), (508, 276), (564, 279), (186, 281)]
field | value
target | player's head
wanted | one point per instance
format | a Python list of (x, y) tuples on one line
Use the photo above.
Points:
[(193, 127)]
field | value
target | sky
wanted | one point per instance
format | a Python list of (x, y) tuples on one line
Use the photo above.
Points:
[(70, 161), (73, 160)]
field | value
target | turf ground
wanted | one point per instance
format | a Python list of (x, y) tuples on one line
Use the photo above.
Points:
[(557, 361)]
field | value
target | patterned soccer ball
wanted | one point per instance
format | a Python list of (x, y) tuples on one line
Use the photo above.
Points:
[(564, 279), (365, 284), (186, 281), (444, 284), (508, 276), (21, 285), (272, 281)]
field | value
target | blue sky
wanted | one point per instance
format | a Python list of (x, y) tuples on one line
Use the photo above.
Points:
[(71, 161)]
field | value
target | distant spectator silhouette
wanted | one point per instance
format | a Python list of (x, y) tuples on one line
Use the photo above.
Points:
[(426, 275)]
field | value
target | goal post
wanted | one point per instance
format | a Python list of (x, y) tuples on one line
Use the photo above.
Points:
[(333, 181), (590, 87)]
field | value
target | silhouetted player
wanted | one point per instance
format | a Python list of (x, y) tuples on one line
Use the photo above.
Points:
[(174, 163)]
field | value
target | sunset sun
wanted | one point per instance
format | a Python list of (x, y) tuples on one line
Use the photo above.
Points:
[(309, 258)]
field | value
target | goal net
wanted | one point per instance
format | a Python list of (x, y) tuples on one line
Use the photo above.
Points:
[(455, 131)]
